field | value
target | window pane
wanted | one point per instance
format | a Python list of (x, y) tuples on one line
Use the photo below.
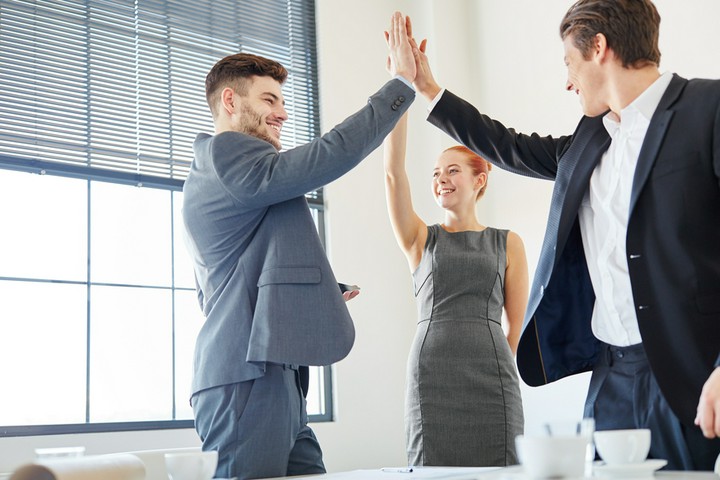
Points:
[(184, 277), (316, 392), (130, 354), (35, 209), (188, 321), (131, 235), (43, 332)]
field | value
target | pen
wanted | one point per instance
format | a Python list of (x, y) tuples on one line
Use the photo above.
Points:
[(397, 470)]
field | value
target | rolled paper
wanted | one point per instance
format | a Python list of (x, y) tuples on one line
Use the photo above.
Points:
[(32, 472), (106, 467)]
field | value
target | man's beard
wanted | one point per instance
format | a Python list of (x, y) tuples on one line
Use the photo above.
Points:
[(251, 123)]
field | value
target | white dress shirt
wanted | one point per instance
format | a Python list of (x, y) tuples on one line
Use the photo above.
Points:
[(604, 216)]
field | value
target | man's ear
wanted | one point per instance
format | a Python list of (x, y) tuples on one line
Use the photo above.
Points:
[(600, 49), (228, 99)]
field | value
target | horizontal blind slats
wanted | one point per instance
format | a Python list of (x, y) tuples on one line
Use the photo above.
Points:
[(119, 84)]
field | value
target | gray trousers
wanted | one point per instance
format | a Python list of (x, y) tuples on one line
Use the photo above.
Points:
[(259, 427)]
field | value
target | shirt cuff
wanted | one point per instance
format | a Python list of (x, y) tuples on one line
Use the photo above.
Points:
[(404, 80), (435, 100)]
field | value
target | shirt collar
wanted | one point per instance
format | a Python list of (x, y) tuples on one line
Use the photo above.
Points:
[(645, 104), (648, 101)]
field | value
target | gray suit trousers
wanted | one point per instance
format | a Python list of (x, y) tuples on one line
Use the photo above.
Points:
[(258, 427)]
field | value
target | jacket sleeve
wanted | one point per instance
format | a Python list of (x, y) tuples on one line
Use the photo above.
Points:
[(256, 175), (529, 155)]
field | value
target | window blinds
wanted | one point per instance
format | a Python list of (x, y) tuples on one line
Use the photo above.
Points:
[(114, 90)]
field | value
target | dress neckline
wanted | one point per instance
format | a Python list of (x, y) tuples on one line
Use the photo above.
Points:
[(442, 228)]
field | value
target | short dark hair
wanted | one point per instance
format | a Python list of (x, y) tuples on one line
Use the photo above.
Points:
[(234, 71), (631, 27)]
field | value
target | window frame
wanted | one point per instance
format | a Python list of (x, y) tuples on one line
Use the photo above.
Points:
[(172, 181), (98, 427)]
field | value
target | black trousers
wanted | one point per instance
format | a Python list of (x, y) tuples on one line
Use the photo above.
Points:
[(624, 394)]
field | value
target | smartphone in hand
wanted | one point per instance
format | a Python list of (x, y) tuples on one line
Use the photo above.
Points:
[(344, 287)]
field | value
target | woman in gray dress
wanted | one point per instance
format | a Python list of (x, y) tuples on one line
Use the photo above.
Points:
[(463, 404)]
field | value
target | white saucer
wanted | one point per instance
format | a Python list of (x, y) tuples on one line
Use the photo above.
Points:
[(643, 469)]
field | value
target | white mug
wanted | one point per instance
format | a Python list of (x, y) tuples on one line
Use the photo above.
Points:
[(546, 457), (620, 447)]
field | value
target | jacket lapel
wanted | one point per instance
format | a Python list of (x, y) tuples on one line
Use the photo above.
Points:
[(654, 137), (581, 165), (574, 169)]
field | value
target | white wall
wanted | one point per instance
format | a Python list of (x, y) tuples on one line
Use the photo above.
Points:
[(506, 58)]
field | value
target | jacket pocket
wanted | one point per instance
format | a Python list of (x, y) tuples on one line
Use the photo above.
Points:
[(667, 166), (278, 275)]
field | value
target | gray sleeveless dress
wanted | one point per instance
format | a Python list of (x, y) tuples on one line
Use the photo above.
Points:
[(463, 404)]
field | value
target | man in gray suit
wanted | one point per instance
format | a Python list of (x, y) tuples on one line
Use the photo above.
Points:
[(266, 288)]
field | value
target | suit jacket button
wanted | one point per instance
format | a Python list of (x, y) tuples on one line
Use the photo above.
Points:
[(394, 107), (401, 98)]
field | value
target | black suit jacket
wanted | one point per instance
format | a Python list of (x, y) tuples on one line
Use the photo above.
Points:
[(673, 238)]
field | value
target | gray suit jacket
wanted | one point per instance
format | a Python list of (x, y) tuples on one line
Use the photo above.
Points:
[(264, 283)]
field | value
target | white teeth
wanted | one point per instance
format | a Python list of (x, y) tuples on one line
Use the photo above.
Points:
[(275, 127), (444, 191)]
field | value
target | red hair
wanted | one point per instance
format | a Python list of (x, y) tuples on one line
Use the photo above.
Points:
[(477, 163)]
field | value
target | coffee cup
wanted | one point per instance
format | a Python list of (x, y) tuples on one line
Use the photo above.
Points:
[(196, 465), (621, 447), (582, 428), (556, 456)]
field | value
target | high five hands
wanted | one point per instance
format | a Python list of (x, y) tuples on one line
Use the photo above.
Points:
[(407, 58)]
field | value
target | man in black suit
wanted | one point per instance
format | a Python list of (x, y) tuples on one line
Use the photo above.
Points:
[(628, 281)]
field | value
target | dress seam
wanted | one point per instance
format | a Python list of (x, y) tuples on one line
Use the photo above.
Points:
[(495, 347)]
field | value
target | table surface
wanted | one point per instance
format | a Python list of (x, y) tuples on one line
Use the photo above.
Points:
[(486, 473)]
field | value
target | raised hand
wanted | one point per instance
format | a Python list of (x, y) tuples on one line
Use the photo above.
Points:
[(424, 81), (401, 60)]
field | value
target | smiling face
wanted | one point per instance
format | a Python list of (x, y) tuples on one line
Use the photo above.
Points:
[(585, 78), (454, 184), (261, 113)]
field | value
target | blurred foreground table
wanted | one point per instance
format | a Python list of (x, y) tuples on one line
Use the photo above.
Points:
[(486, 473)]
